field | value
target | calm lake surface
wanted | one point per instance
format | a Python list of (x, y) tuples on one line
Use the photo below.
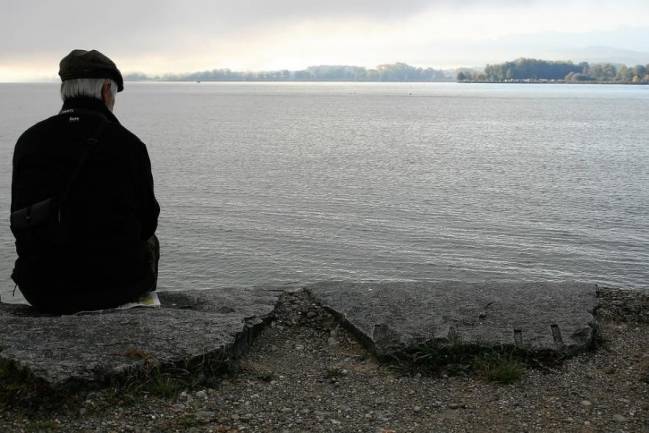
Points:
[(267, 184)]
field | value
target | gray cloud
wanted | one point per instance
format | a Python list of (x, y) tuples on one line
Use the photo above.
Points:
[(39, 32), (44, 26)]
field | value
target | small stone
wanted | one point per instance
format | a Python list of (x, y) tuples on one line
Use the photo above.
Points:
[(202, 394), (619, 418), (311, 314), (586, 403), (299, 347), (82, 411), (205, 415), (417, 408), (383, 417)]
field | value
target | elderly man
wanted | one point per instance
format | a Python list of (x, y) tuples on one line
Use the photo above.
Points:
[(83, 208)]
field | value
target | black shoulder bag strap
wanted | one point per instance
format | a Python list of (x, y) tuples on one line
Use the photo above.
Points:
[(91, 145), (41, 213)]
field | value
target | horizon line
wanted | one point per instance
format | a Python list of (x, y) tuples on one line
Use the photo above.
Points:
[(164, 76)]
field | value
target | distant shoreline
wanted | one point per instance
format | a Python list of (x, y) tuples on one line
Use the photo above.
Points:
[(349, 82), (287, 81), (393, 82), (623, 83)]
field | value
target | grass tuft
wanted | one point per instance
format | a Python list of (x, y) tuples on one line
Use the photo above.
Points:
[(334, 373), (43, 426), (497, 367), (502, 365), (166, 381), (18, 386)]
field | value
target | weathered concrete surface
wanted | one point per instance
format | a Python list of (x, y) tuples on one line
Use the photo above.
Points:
[(624, 305), (93, 347), (555, 319)]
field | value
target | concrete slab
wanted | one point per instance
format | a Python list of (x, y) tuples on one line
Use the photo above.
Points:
[(623, 305), (94, 347), (553, 318)]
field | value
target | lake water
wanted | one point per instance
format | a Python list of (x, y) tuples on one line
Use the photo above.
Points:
[(268, 184)]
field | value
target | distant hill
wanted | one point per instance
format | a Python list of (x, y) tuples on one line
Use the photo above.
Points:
[(606, 55), (394, 72)]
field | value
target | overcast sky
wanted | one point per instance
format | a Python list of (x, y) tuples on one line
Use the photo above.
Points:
[(180, 36)]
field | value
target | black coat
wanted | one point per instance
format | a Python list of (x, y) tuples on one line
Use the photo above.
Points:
[(110, 213)]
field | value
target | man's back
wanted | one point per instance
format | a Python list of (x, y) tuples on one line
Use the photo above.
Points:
[(109, 215)]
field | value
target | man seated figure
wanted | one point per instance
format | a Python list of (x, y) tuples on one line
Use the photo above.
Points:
[(83, 208)]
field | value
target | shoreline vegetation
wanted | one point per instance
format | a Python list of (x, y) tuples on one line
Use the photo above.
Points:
[(396, 72), (559, 72), (520, 71)]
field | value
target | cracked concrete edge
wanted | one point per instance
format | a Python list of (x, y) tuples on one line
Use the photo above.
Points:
[(222, 357), (615, 304), (365, 340), (387, 354)]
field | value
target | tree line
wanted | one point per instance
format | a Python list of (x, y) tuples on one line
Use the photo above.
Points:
[(544, 70), (394, 72)]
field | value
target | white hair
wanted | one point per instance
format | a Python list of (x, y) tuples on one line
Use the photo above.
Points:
[(88, 87)]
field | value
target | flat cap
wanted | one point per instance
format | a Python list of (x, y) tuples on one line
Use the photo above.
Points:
[(89, 64)]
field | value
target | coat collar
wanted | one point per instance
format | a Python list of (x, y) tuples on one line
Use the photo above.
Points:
[(89, 104)]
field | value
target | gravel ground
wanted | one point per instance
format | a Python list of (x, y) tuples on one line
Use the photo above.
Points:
[(305, 374)]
